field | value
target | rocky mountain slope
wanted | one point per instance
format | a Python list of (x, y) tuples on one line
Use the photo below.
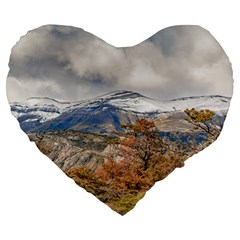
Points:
[(69, 148)]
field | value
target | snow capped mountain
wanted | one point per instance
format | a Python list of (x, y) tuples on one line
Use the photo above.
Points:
[(41, 109), (43, 101), (132, 101), (113, 108)]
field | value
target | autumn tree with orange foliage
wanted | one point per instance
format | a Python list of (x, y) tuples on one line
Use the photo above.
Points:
[(144, 143), (143, 159)]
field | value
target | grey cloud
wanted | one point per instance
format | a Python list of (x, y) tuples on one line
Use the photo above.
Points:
[(69, 63)]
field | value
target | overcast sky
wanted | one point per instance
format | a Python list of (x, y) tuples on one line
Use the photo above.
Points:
[(70, 64)]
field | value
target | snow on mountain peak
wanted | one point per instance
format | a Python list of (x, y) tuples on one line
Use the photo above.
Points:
[(43, 101), (38, 109), (120, 94)]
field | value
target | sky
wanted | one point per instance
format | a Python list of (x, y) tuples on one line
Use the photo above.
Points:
[(70, 64)]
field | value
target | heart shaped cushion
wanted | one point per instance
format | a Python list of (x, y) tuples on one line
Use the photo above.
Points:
[(116, 120)]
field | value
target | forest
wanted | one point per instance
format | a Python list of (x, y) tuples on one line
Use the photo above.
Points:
[(139, 157)]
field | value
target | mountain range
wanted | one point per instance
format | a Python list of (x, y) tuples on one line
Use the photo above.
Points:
[(106, 113)]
